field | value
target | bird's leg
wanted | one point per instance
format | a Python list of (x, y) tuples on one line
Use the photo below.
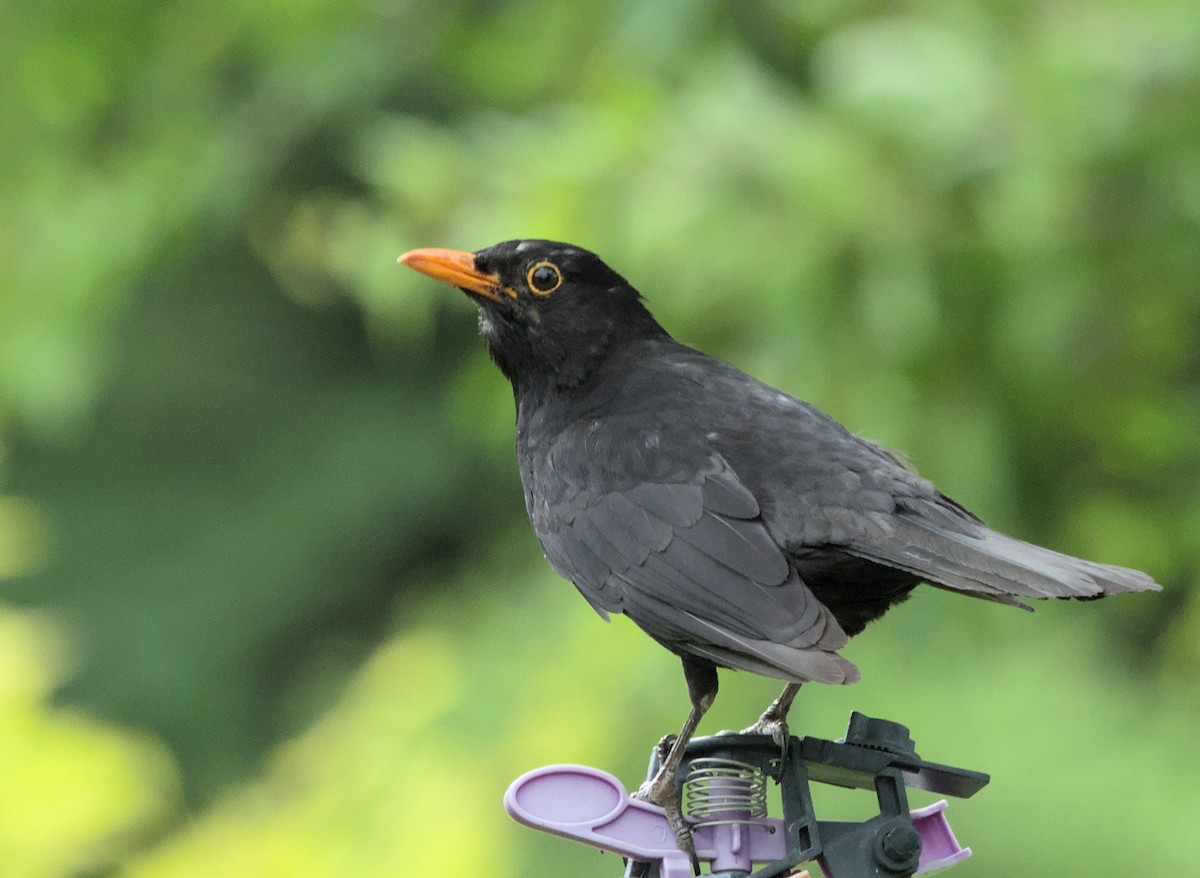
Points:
[(662, 789), (773, 722)]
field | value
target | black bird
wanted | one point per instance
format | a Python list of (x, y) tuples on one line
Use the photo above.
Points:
[(736, 525)]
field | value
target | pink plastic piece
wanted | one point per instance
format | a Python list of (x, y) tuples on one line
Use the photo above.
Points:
[(939, 848), (592, 806)]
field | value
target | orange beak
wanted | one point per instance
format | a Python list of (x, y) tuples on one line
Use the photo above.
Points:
[(457, 268)]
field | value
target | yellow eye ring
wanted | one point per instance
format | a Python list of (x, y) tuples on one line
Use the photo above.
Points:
[(544, 278)]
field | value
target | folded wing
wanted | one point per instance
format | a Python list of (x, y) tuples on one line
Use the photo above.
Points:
[(692, 563)]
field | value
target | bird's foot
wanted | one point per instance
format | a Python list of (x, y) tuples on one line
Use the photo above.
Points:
[(772, 724), (665, 743), (660, 790)]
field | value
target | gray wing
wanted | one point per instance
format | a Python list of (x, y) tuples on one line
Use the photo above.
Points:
[(830, 488), (691, 562)]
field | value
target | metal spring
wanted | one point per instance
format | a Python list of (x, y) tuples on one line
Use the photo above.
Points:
[(720, 790)]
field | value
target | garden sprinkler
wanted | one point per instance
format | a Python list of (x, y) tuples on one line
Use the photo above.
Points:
[(724, 793)]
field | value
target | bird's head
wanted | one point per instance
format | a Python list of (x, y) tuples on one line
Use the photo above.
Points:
[(549, 312)]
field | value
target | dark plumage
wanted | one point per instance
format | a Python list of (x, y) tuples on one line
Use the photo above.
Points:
[(736, 525)]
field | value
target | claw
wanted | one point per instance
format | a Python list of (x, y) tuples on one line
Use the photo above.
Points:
[(773, 721), (661, 791), (664, 747), (683, 835), (767, 725), (777, 729)]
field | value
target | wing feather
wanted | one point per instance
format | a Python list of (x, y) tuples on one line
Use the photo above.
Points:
[(693, 564)]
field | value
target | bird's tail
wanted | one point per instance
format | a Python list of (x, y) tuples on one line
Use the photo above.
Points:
[(988, 564)]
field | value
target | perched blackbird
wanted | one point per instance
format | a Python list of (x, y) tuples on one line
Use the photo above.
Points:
[(736, 525)]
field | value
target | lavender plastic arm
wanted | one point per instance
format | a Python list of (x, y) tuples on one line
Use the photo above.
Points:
[(939, 848), (592, 806)]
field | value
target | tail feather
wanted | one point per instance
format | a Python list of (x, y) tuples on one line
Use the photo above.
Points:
[(991, 565)]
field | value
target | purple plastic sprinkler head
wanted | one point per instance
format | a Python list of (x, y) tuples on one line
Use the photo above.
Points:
[(939, 848), (592, 806)]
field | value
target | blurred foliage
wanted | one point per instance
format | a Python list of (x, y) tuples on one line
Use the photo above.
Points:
[(271, 604)]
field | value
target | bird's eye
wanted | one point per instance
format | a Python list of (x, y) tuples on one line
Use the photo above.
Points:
[(544, 278)]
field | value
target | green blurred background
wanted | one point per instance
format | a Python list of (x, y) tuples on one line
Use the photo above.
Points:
[(270, 605)]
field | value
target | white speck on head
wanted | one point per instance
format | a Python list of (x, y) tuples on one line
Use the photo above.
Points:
[(524, 245), (713, 437)]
